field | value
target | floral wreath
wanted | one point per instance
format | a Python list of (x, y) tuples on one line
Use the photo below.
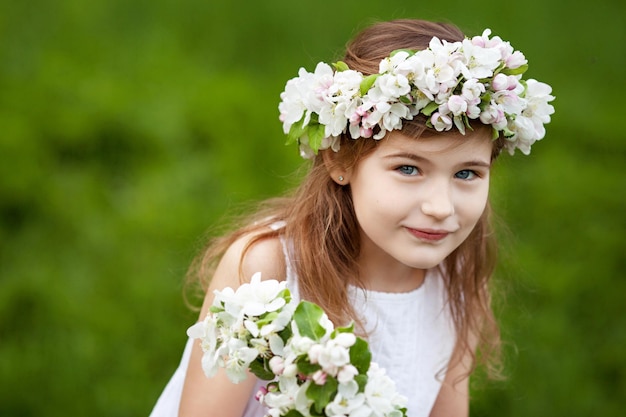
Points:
[(450, 83)]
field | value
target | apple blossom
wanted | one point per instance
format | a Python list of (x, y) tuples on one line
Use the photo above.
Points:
[(441, 122), (309, 367)]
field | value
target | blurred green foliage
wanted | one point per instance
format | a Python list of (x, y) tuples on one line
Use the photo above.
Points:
[(129, 127)]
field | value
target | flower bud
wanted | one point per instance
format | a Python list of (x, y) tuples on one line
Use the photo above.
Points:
[(277, 365)]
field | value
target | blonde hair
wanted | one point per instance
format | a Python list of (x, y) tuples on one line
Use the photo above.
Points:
[(322, 228)]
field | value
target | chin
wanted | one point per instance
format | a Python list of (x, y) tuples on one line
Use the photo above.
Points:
[(425, 264)]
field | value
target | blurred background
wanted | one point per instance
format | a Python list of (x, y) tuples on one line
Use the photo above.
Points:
[(128, 128)]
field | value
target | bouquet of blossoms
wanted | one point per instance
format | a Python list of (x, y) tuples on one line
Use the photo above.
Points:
[(312, 368)]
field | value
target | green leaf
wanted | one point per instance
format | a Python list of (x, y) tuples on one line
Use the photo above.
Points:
[(495, 134), (360, 355), (345, 329), (216, 309), (295, 132), (361, 381), (294, 413), (515, 71), (430, 108), (495, 72), (306, 367), (286, 294), (322, 394), (285, 334), (260, 368), (340, 66), (485, 99), (367, 83), (464, 122), (267, 318), (307, 317), (313, 412), (316, 133), (467, 122)]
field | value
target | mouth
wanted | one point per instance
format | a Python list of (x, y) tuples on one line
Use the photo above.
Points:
[(430, 235)]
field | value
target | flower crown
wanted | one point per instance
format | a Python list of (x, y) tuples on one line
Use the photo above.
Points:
[(450, 83)]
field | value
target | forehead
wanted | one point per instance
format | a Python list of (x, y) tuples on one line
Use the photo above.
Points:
[(473, 143)]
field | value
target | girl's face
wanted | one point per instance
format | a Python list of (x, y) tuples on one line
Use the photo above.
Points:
[(417, 200)]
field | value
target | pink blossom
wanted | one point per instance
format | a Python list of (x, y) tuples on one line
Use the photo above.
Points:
[(504, 82), (510, 102), (277, 365), (457, 105), (319, 377), (441, 122), (260, 394), (515, 60), (493, 115)]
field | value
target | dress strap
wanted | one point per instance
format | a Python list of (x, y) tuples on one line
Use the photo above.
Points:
[(290, 274)]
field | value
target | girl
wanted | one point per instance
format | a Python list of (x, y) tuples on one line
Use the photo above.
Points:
[(390, 228)]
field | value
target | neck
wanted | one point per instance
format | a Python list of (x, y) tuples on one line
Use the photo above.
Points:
[(377, 275)]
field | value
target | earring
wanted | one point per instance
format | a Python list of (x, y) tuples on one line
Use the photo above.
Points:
[(340, 178)]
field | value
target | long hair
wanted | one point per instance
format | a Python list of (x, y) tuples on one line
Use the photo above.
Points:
[(323, 230)]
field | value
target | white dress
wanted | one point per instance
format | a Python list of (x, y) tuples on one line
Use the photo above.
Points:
[(411, 336)]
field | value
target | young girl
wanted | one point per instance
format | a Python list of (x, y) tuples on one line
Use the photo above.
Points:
[(390, 228)]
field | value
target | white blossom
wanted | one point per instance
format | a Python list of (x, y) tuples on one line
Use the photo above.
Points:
[(239, 358), (380, 392), (347, 373), (332, 357), (538, 95), (393, 63), (289, 396), (348, 402), (509, 102), (256, 299), (480, 62), (389, 87)]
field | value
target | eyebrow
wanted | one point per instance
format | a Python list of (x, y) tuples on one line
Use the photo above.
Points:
[(417, 158)]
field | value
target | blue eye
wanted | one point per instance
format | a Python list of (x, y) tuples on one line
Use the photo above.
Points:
[(408, 170), (466, 174)]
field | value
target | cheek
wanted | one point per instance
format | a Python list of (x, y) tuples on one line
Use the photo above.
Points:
[(367, 204), (473, 206), (379, 200)]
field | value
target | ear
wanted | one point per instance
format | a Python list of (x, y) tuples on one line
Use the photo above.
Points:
[(335, 168)]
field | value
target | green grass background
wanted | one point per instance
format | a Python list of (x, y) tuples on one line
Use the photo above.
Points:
[(129, 127)]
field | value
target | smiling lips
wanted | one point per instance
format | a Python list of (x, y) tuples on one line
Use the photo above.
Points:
[(428, 234)]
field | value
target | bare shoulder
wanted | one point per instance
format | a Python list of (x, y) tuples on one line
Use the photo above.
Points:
[(249, 255), (246, 256)]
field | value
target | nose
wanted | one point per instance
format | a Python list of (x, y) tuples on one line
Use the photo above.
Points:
[(437, 202)]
